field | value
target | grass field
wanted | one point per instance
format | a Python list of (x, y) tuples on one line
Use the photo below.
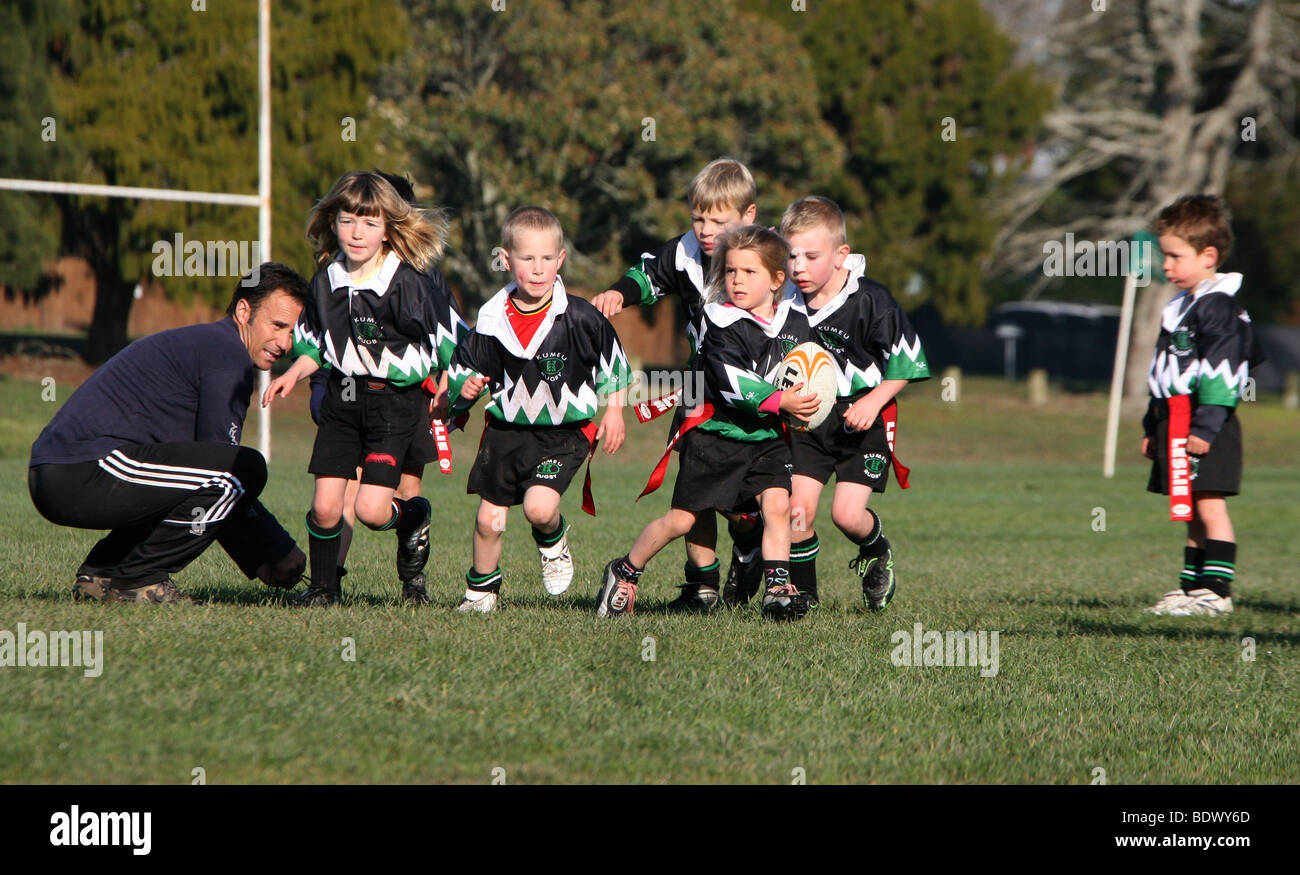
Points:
[(998, 533)]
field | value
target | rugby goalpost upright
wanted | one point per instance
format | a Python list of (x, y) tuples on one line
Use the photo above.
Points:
[(261, 200)]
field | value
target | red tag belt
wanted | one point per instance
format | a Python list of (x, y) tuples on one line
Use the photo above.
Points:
[(890, 416), (699, 415), (1180, 481), (648, 410)]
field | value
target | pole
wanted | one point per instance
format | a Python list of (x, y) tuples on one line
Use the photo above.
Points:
[(1117, 376), (264, 189)]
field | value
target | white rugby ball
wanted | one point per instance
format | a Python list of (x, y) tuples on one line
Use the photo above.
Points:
[(810, 364)]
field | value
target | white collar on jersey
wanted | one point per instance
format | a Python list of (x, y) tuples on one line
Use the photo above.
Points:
[(378, 282), (690, 260), (723, 314), (856, 264), (1225, 283), (493, 322)]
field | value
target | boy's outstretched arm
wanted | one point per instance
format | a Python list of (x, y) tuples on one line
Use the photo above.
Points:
[(612, 428)]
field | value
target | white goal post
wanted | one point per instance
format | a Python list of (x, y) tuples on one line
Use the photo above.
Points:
[(261, 200)]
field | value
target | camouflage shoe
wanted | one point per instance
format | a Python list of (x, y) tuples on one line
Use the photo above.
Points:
[(90, 588), (164, 592), (320, 596)]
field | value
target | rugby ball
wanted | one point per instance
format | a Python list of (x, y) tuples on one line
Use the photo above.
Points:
[(813, 366)]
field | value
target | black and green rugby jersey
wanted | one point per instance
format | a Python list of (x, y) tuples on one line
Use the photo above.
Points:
[(741, 357), (678, 267), (1205, 349), (572, 359), (868, 334), (398, 325)]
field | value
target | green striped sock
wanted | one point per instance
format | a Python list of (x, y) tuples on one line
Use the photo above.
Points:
[(490, 582), (803, 565), (1219, 567), (1192, 559)]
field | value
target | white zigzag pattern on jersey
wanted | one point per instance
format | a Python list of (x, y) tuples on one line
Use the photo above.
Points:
[(870, 377), (440, 336), (1165, 379), (913, 350), (359, 362), (607, 365), (457, 371), (515, 399), (734, 374), (1223, 372), (300, 334)]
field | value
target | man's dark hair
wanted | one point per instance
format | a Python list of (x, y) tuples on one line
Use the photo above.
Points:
[(265, 279)]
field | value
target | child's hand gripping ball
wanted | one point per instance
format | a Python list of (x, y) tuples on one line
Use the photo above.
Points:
[(812, 366)]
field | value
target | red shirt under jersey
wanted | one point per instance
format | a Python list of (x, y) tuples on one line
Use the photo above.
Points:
[(524, 323)]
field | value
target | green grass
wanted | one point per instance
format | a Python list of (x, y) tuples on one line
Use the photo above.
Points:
[(996, 534)]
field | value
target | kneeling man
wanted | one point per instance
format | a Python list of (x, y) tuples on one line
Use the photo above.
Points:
[(148, 447)]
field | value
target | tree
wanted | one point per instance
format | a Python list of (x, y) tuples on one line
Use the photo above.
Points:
[(602, 112), (28, 140), (1157, 100), (937, 118), (166, 97)]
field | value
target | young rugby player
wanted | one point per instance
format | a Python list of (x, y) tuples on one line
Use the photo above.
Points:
[(545, 357), (731, 446), (722, 196), (1193, 437), (425, 449), (381, 325), (876, 354)]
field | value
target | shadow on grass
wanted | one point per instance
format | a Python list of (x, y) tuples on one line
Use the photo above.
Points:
[(1267, 607), (1064, 602), (1173, 632)]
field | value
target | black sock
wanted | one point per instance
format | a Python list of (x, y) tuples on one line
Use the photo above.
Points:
[(624, 568), (775, 573), (874, 544), (549, 539), (1219, 567), (706, 576), (1193, 558), (490, 582), (408, 513), (803, 565), (745, 543), (323, 545)]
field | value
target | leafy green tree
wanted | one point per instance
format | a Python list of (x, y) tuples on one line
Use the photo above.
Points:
[(29, 134), (602, 112), (936, 117), (165, 95)]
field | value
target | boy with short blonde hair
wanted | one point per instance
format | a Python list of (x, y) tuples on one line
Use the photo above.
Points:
[(722, 196), (876, 354), (544, 356), (1192, 435)]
